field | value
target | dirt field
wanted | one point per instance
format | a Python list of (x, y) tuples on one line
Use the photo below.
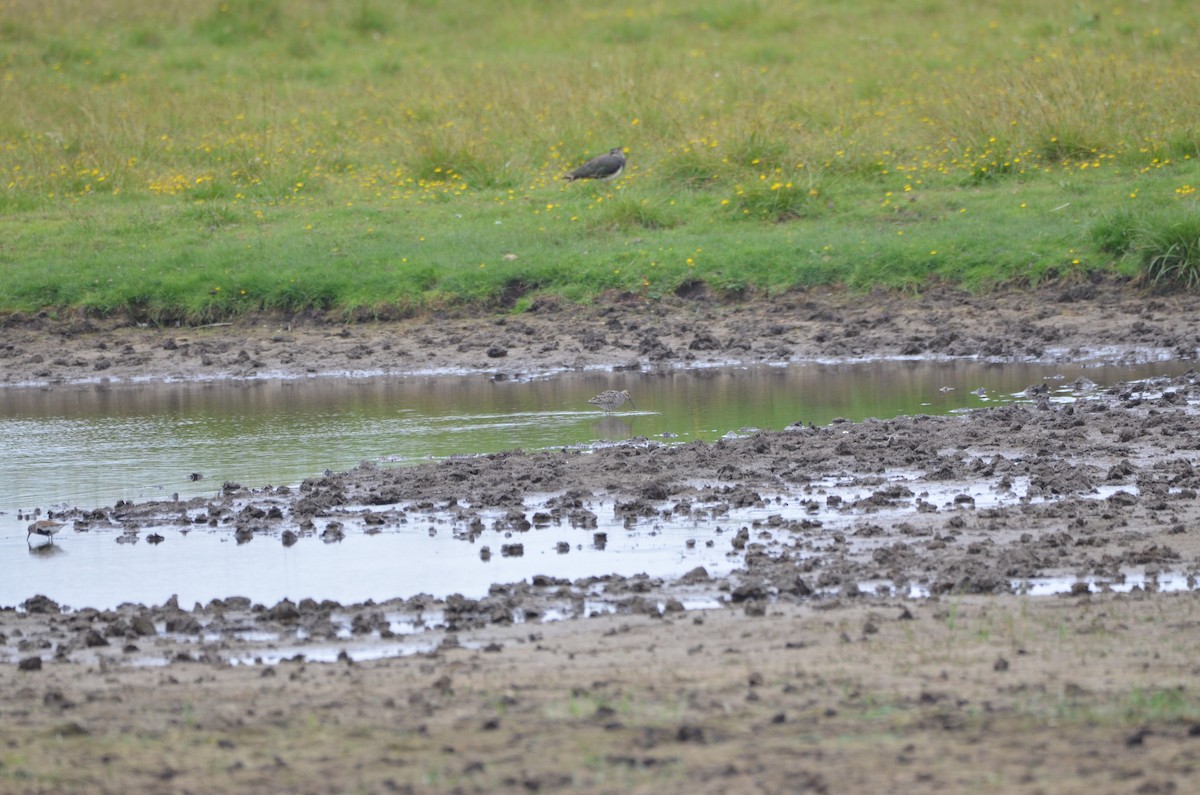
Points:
[(820, 673)]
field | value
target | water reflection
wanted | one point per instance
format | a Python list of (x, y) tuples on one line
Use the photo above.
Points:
[(46, 550), (610, 429), (89, 446)]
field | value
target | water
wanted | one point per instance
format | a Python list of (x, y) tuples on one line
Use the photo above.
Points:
[(200, 565), (90, 446)]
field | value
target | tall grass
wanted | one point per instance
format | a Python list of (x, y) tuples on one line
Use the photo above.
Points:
[(320, 142), (1165, 244)]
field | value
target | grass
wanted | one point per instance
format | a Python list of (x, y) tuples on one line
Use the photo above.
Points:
[(191, 161), (1166, 245)]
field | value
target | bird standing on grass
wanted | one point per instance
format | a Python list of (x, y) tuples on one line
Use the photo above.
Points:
[(606, 167), (611, 399), (43, 527)]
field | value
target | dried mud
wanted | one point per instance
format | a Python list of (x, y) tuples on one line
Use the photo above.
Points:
[(873, 634)]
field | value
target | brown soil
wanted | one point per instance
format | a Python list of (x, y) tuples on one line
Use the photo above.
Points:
[(809, 679), (1093, 321)]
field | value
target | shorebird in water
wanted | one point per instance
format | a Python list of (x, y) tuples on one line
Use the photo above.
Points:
[(611, 399), (43, 527)]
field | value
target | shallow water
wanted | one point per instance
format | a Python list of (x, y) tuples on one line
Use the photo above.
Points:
[(89, 446), (91, 570)]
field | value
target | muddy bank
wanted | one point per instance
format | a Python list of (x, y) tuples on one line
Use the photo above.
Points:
[(1102, 321)]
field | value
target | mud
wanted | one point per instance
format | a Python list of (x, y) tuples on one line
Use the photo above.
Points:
[(1100, 321), (872, 634), (1090, 493)]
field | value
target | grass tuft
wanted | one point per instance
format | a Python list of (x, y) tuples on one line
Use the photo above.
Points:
[(1165, 244), (1169, 254), (234, 22), (370, 20), (691, 169), (1116, 231), (779, 198), (631, 214)]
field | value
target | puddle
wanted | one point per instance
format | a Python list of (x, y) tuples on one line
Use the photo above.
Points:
[(327, 653), (425, 556), (1129, 582), (440, 554)]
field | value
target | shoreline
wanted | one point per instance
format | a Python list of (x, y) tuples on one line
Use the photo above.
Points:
[(1105, 323)]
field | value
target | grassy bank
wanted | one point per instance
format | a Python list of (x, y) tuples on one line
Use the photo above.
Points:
[(192, 160)]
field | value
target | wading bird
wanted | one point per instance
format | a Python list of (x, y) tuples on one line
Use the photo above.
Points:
[(43, 527), (611, 399)]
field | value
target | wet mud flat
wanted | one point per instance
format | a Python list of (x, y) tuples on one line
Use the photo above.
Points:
[(1099, 493), (872, 632)]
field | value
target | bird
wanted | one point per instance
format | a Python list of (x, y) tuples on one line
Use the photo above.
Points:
[(611, 399), (44, 527), (606, 167)]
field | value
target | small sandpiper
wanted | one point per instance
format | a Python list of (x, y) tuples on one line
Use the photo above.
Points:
[(611, 399), (43, 527)]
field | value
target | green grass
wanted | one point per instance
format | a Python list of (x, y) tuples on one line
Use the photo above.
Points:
[(190, 161), (1138, 706), (1166, 244)]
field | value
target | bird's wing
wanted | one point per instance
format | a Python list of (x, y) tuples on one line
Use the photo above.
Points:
[(597, 166)]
